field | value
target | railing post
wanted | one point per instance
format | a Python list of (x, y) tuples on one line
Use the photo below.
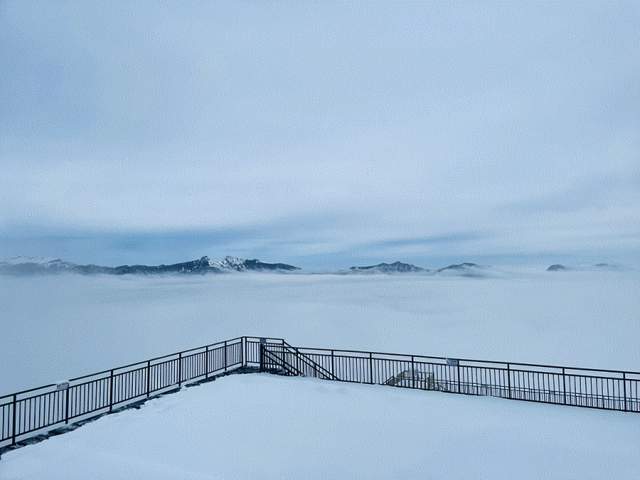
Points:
[(206, 362), (509, 378), (371, 368), (458, 375), (66, 405), (333, 367), (242, 353), (148, 378), (624, 389), (261, 359), (564, 388), (180, 369), (297, 361), (110, 392), (314, 365), (13, 420), (225, 355), (413, 372)]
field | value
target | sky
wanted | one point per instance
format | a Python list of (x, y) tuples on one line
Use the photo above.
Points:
[(322, 134)]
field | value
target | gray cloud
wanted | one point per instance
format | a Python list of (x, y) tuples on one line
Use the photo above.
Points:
[(320, 130)]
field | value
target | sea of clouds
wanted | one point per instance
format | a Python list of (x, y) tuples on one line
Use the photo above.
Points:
[(57, 327)]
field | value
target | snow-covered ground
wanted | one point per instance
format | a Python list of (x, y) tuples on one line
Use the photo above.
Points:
[(57, 327), (270, 427)]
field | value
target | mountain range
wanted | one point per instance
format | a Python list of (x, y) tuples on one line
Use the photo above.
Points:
[(205, 265), (30, 265), (460, 269)]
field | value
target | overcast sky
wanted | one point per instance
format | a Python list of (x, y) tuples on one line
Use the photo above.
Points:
[(320, 133)]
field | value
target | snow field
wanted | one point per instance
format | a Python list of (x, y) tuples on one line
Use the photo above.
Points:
[(271, 427)]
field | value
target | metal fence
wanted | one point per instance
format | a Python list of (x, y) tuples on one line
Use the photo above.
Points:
[(581, 387), (38, 410)]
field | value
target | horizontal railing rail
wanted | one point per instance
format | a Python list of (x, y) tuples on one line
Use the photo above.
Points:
[(431, 357), (36, 411)]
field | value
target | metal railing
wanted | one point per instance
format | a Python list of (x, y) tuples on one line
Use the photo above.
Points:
[(36, 411), (581, 387)]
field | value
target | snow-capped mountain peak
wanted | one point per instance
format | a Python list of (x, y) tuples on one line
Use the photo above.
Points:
[(229, 263)]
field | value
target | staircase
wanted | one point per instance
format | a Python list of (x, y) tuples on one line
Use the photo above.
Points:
[(287, 360)]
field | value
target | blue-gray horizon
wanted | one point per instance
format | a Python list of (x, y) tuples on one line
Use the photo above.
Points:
[(323, 135)]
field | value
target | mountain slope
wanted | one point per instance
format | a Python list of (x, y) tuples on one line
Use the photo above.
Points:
[(243, 265), (395, 267), (465, 269)]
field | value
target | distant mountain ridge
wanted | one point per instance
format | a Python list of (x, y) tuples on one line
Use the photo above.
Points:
[(557, 267), (465, 269), (395, 267), (205, 265), (36, 265)]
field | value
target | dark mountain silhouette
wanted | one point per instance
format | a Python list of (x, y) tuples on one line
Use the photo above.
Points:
[(556, 267), (395, 267), (31, 265)]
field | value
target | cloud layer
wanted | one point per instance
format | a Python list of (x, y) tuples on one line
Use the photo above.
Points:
[(321, 130)]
